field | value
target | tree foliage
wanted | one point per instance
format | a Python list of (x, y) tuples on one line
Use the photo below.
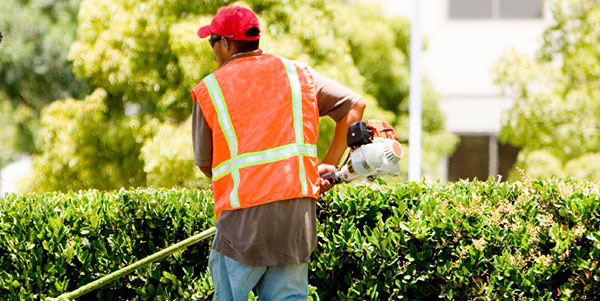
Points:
[(83, 148), (147, 57), (557, 111), (33, 56), (15, 129), (168, 165), (34, 69), (7, 132)]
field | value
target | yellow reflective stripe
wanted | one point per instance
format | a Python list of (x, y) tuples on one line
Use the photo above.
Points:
[(292, 73), (227, 126), (235, 200), (263, 157)]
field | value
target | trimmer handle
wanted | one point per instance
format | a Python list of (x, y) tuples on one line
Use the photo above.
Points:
[(332, 177)]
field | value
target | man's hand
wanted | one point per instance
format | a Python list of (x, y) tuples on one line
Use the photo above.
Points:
[(323, 169)]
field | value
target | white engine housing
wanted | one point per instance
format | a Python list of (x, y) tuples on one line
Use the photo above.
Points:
[(382, 157)]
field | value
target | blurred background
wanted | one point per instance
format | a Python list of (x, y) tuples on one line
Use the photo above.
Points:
[(96, 93)]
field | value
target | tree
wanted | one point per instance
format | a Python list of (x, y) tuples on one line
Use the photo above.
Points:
[(86, 149), (12, 120), (7, 132), (34, 70), (379, 47), (557, 112), (169, 159), (147, 57)]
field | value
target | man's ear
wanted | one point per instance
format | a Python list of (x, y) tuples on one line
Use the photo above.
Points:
[(227, 46)]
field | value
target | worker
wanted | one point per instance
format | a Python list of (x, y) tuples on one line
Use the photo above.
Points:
[(255, 123)]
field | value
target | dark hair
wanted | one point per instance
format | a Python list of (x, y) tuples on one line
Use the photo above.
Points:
[(245, 46)]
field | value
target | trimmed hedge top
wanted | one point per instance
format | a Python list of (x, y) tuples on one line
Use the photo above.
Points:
[(467, 240)]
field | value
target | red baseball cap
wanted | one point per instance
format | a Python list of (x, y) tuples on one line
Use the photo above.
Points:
[(232, 22)]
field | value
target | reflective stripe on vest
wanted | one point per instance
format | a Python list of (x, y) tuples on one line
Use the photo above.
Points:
[(290, 68), (267, 156), (225, 122), (236, 162)]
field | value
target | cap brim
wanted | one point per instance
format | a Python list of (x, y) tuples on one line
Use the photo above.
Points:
[(204, 31)]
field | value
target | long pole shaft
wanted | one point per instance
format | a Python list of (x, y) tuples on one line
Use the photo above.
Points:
[(132, 267)]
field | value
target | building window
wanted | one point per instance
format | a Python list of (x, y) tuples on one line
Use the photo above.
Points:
[(481, 156), (470, 9), (527, 9), (470, 159), (495, 9)]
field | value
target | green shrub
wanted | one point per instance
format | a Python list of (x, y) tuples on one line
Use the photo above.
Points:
[(459, 241), (468, 240), (56, 242)]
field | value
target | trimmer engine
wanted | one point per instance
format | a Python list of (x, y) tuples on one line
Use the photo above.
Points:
[(375, 150)]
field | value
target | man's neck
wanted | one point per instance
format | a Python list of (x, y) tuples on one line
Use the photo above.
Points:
[(242, 54)]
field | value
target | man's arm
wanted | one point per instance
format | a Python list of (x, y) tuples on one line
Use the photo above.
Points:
[(340, 103), (201, 141), (339, 143)]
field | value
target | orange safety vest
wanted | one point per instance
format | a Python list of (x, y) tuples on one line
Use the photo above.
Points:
[(264, 119)]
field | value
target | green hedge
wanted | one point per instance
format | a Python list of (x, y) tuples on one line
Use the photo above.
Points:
[(468, 240), (52, 243)]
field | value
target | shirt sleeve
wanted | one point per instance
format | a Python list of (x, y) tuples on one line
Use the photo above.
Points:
[(201, 138), (334, 99)]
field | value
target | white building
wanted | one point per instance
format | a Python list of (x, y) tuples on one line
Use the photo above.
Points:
[(465, 38)]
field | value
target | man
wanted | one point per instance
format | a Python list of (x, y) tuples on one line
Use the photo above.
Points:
[(255, 123)]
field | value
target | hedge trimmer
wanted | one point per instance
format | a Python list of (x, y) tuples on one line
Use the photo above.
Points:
[(374, 151)]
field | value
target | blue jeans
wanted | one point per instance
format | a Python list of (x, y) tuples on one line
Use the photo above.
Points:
[(234, 280)]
